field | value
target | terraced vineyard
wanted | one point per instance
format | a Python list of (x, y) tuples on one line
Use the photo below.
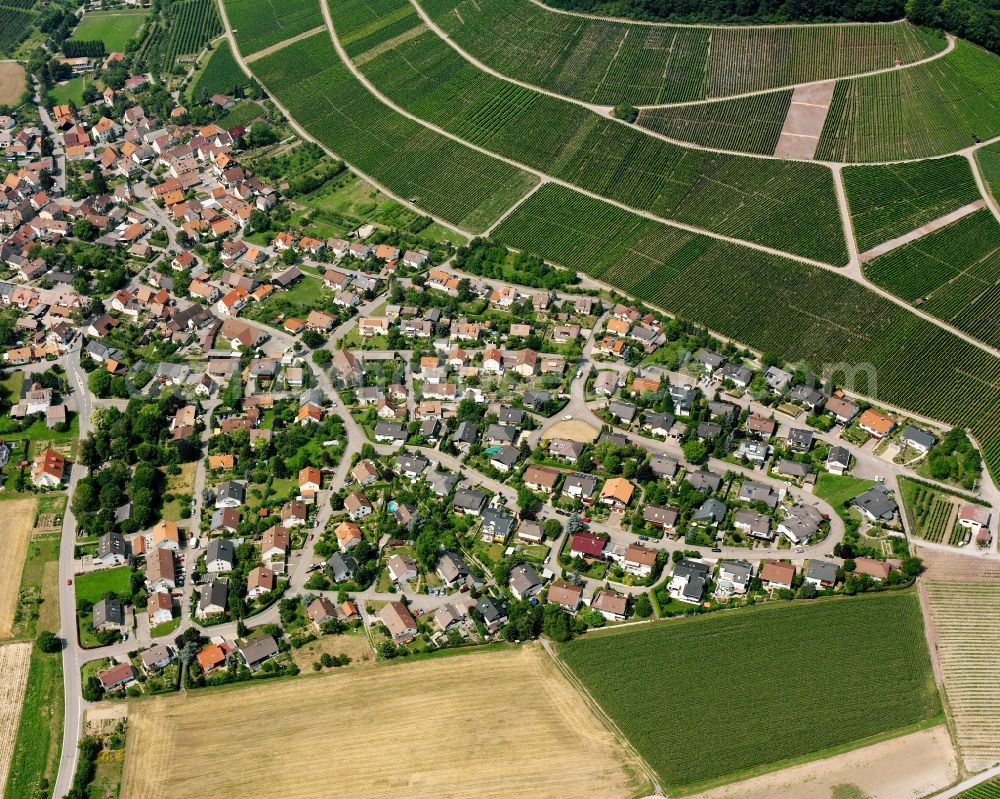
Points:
[(443, 177), (748, 124), (770, 303), (608, 62), (220, 74), (967, 622), (931, 109), (260, 23), (954, 271), (787, 205), (989, 165), (888, 201), (929, 511), (848, 657)]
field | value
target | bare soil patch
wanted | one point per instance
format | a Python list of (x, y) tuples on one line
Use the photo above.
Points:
[(574, 430), (904, 768), (495, 725), (18, 519), (14, 660), (11, 82)]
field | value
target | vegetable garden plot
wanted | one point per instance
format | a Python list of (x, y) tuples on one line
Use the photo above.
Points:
[(769, 303), (441, 176)]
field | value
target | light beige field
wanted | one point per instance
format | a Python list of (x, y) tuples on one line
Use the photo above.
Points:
[(11, 82), (573, 429), (18, 519), (907, 767), (493, 725), (14, 660)]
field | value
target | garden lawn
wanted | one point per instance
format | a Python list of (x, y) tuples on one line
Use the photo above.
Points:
[(707, 700), (114, 28), (838, 489), (94, 585)]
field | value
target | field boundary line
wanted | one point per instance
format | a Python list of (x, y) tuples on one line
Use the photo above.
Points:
[(503, 217), (306, 136), (282, 44), (924, 230), (603, 717)]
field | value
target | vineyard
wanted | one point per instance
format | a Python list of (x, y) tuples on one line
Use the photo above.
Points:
[(748, 124), (964, 612), (931, 109), (888, 201), (771, 304), (609, 62), (989, 164), (929, 512), (955, 271), (260, 23), (849, 669), (185, 28), (443, 177), (783, 204), (15, 25), (986, 790), (221, 73)]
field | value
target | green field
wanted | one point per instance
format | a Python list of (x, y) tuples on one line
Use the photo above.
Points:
[(769, 303), (220, 74), (710, 698), (69, 92), (243, 113), (931, 109), (927, 509), (838, 489), (609, 62), (94, 585), (114, 28), (748, 124), (39, 735), (955, 271), (443, 177), (261, 23), (788, 205), (888, 201)]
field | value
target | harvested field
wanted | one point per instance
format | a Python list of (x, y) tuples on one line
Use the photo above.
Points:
[(14, 660), (11, 82), (574, 430), (963, 600), (355, 646), (424, 726), (903, 768), (19, 518)]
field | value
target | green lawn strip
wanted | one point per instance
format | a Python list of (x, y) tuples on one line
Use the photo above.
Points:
[(93, 586), (806, 678), (838, 489), (114, 28), (39, 735)]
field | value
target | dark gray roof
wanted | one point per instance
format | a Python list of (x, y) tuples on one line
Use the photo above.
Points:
[(109, 611), (492, 609), (467, 433), (686, 567), (510, 416), (342, 566), (231, 489), (111, 544), (502, 433), (214, 593), (711, 509), (468, 499), (822, 570), (259, 650), (500, 522), (919, 437), (524, 579), (877, 501), (704, 480), (393, 430), (841, 455), (507, 455), (221, 549)]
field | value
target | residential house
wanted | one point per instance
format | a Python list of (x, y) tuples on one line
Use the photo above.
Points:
[(688, 580), (402, 568), (566, 595), (258, 651), (821, 573), (398, 622), (357, 505), (213, 600), (610, 604), (524, 582), (776, 574)]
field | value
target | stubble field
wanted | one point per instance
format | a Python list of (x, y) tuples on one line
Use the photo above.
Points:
[(11, 82), (13, 678), (499, 724), (19, 518)]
